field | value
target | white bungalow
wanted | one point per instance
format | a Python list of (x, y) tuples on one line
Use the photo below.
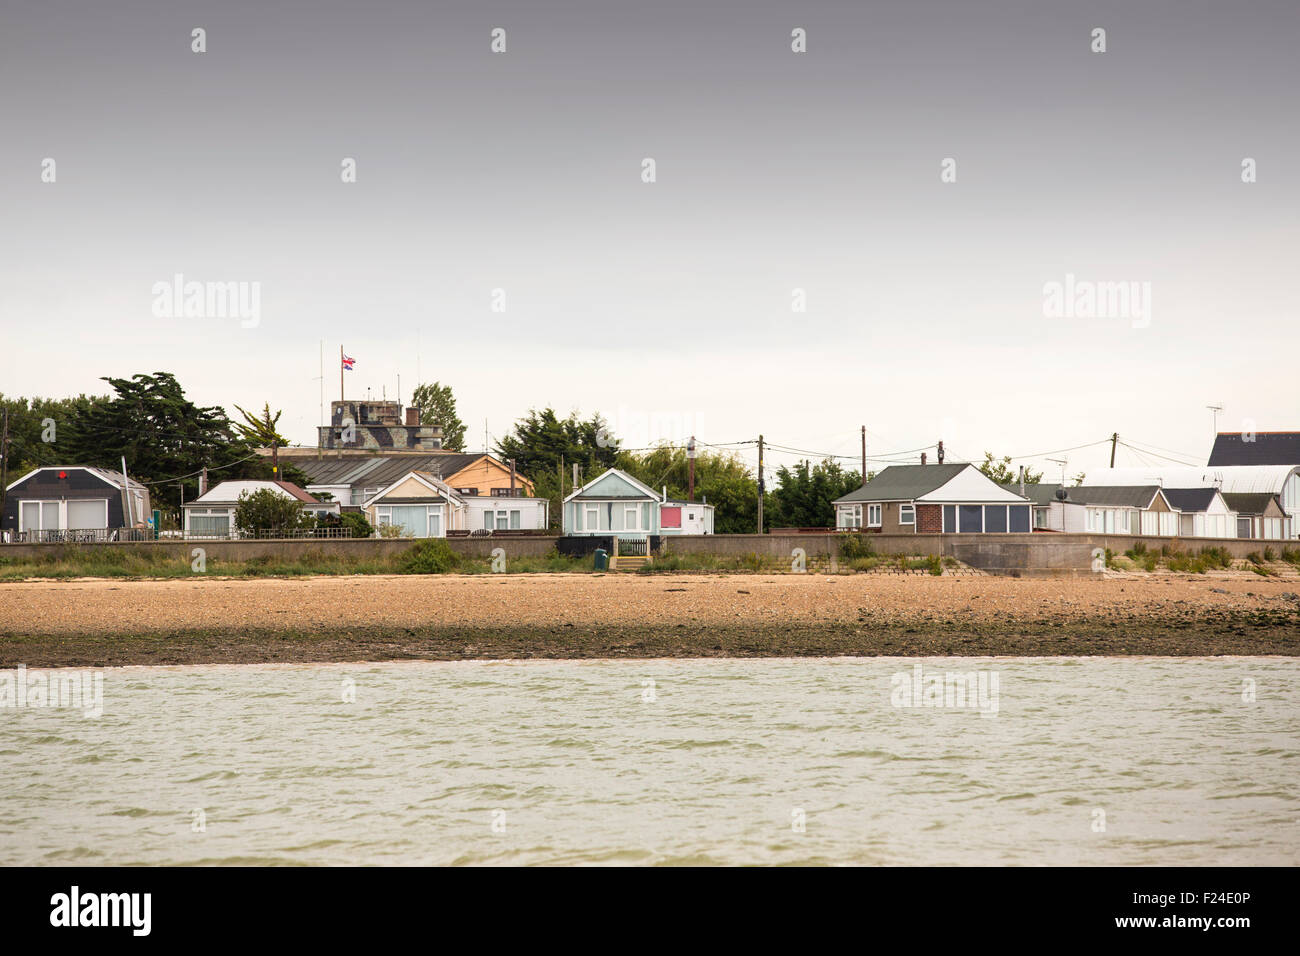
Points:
[(1204, 513), (616, 503), (212, 514)]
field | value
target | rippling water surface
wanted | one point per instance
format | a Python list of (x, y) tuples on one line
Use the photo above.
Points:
[(571, 762)]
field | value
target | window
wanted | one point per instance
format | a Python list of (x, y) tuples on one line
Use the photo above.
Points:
[(631, 517), (1019, 517), (1040, 517), (907, 514), (995, 518), (970, 519), (949, 518), (503, 521), (416, 521), (873, 516), (209, 522), (591, 518)]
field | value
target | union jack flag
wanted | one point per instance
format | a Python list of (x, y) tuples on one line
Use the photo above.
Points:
[(347, 363)]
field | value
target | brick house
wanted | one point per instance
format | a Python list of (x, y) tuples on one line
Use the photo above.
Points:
[(933, 499)]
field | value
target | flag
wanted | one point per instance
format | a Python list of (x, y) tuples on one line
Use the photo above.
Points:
[(347, 363)]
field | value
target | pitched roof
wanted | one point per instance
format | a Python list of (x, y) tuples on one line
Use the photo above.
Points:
[(114, 478), (1116, 496), (1042, 493), (1249, 503), (227, 492), (1191, 499), (1264, 448), (914, 482), (588, 491), (381, 470)]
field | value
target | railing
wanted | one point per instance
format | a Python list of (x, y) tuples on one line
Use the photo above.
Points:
[(631, 547), (270, 533), (80, 535)]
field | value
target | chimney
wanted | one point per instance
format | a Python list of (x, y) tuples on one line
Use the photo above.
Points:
[(941, 453), (203, 481), (1022, 481), (923, 458), (412, 416)]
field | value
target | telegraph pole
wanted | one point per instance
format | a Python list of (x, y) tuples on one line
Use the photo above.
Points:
[(1114, 438), (690, 460), (864, 454), (760, 484), (4, 465)]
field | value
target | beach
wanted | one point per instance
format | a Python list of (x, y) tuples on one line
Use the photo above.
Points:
[(558, 616)]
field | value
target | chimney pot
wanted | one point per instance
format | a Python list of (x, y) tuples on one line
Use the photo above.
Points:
[(923, 458), (412, 416)]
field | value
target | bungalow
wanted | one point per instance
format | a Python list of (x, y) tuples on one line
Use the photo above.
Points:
[(1259, 515), (53, 503), (1204, 513), (212, 514), (933, 499), (426, 506), (354, 479), (420, 504), (1127, 509), (616, 503), (1282, 480)]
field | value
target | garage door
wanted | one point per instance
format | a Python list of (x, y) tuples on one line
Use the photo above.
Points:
[(90, 513)]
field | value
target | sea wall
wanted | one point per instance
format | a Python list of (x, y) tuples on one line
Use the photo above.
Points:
[(998, 554)]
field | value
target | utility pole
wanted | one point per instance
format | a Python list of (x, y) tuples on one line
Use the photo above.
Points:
[(864, 454), (690, 461), (760, 484), (559, 470), (1214, 414), (340, 374), (4, 464), (1114, 439)]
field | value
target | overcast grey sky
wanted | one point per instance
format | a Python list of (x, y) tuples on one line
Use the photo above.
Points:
[(671, 300)]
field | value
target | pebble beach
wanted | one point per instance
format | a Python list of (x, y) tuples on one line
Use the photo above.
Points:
[(453, 617)]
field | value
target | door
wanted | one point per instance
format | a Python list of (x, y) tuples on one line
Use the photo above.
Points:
[(88, 513)]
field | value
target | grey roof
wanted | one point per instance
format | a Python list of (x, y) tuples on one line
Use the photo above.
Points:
[(380, 471), (114, 478), (1264, 448), (1116, 496), (904, 482), (1042, 493), (1249, 503), (1190, 499)]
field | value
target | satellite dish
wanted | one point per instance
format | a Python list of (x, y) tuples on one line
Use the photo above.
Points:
[(1061, 493)]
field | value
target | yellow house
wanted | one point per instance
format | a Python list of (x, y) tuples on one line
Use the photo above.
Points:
[(425, 506)]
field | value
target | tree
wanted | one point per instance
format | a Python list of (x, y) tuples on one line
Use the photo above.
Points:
[(40, 430), (1002, 473), (721, 479), (545, 447), (260, 429), (803, 496), (165, 438), (437, 406), (266, 510)]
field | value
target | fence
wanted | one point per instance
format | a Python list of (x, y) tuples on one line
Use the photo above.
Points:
[(79, 535), (279, 534)]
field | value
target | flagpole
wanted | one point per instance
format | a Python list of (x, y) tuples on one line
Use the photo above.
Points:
[(340, 373)]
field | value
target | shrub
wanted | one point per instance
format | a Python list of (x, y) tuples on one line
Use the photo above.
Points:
[(266, 510), (1270, 554), (935, 565), (1255, 557), (1291, 555), (853, 546), (393, 531), (1216, 557), (357, 522), (429, 556)]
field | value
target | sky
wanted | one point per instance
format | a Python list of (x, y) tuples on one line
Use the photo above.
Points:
[(671, 307)]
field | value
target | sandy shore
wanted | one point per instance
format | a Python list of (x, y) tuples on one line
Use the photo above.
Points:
[(556, 616)]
